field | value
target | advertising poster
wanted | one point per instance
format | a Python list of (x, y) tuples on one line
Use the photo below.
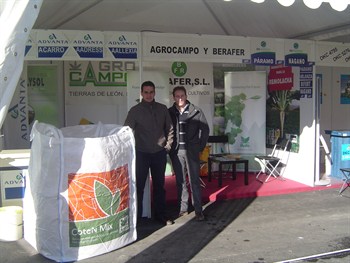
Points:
[(44, 94), (344, 89), (96, 91), (283, 103), (245, 115)]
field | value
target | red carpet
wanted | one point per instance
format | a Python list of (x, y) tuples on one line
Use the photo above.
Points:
[(235, 189)]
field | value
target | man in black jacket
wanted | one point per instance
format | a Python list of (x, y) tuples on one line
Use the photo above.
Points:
[(153, 131), (191, 132)]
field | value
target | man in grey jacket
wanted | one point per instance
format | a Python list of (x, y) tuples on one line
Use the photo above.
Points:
[(191, 134), (153, 131)]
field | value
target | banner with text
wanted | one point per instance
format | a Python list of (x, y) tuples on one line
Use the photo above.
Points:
[(82, 45), (332, 54), (96, 91), (108, 45), (16, 124)]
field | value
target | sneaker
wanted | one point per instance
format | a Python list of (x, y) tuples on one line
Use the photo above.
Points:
[(183, 213), (199, 217)]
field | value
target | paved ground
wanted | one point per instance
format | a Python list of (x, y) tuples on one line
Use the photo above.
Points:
[(284, 228)]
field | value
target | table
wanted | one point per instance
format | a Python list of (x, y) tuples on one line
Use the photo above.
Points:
[(226, 160), (346, 184)]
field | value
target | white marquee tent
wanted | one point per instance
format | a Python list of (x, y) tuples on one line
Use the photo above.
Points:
[(270, 18)]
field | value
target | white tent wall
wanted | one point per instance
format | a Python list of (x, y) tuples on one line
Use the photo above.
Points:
[(16, 21), (333, 114)]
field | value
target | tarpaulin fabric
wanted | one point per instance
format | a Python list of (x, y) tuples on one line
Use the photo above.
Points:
[(16, 21), (80, 199)]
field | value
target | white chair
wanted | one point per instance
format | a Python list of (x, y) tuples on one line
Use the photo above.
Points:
[(271, 164)]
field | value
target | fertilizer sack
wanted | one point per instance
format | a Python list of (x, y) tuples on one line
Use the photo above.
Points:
[(80, 198)]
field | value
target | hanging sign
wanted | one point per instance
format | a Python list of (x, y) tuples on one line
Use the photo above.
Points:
[(195, 48), (122, 45), (51, 44), (306, 77), (280, 78), (266, 51), (296, 53), (89, 44)]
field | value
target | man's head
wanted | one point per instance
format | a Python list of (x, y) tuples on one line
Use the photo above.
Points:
[(148, 91), (180, 96)]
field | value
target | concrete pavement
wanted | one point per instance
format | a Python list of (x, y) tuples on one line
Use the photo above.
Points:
[(282, 228)]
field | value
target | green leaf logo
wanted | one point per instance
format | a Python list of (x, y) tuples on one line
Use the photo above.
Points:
[(106, 200), (244, 139)]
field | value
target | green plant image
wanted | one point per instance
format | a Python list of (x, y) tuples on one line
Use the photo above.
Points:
[(281, 100), (107, 201), (233, 115), (219, 111)]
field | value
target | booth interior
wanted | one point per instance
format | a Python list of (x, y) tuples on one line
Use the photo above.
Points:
[(259, 91)]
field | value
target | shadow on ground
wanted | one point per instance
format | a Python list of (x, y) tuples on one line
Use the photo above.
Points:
[(184, 243)]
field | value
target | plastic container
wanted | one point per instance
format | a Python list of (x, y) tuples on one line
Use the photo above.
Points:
[(11, 223), (340, 153)]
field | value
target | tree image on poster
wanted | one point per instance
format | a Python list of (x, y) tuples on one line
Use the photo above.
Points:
[(233, 113), (280, 100), (344, 89)]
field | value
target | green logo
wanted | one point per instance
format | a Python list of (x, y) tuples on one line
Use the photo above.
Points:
[(179, 68), (245, 141), (108, 74)]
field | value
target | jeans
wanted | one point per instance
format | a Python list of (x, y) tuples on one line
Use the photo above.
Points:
[(183, 165), (156, 164)]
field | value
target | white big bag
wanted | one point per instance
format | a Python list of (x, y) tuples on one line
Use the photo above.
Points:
[(80, 198)]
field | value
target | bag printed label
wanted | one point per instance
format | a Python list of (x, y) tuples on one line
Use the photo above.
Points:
[(98, 206)]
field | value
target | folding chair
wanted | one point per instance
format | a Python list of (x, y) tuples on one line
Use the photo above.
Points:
[(270, 164)]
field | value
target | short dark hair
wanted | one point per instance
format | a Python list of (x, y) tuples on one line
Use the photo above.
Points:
[(179, 88), (148, 83)]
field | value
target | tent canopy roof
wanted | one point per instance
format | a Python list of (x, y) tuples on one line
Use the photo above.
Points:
[(213, 17)]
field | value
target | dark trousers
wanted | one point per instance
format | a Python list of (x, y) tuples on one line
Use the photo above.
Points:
[(184, 164), (156, 164)]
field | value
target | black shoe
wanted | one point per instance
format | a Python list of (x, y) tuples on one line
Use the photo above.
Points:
[(199, 217), (164, 222)]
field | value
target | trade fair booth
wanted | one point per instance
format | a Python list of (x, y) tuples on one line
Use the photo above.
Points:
[(253, 89), (76, 77)]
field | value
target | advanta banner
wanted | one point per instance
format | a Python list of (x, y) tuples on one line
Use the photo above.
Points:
[(80, 199)]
